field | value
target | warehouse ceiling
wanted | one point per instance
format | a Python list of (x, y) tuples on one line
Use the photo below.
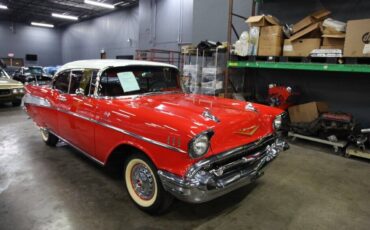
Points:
[(27, 11)]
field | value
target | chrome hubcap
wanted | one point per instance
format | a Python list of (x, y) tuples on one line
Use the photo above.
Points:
[(142, 181), (44, 134)]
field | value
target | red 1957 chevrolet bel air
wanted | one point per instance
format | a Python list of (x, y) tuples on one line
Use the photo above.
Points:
[(134, 116)]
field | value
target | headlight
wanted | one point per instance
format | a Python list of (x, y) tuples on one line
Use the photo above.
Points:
[(18, 91), (278, 122), (199, 145)]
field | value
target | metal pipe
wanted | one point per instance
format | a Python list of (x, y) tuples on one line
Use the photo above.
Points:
[(228, 52)]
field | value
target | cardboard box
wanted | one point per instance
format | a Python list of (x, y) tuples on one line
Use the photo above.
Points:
[(329, 31), (311, 31), (308, 112), (270, 41), (333, 42), (300, 47), (310, 19), (357, 42), (330, 47), (262, 20)]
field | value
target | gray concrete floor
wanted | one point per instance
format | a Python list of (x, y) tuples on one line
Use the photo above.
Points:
[(57, 188)]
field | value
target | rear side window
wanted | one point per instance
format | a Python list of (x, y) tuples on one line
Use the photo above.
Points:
[(61, 82), (83, 81), (77, 81)]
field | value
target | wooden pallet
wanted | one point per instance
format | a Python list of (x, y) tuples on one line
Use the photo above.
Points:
[(354, 151), (336, 145)]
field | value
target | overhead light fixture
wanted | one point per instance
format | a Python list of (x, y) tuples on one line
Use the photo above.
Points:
[(101, 4), (42, 24), (122, 3), (63, 16), (3, 7)]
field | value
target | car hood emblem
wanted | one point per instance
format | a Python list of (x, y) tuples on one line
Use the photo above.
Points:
[(208, 115), (249, 107), (248, 131)]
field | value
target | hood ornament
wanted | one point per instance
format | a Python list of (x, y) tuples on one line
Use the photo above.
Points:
[(209, 116), (250, 107)]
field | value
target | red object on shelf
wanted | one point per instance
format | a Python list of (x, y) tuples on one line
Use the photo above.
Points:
[(281, 97)]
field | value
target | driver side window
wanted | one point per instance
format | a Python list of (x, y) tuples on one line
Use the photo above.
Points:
[(61, 82)]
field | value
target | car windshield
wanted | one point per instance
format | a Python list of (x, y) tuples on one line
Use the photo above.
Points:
[(34, 70), (136, 80), (3, 74)]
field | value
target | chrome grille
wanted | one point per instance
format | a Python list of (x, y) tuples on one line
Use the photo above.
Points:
[(4, 92)]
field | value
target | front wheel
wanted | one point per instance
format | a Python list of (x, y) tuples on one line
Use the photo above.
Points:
[(16, 103), (144, 186), (49, 138)]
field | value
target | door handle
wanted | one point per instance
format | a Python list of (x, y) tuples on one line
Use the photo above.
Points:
[(62, 98)]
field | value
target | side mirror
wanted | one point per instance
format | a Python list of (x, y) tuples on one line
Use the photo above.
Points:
[(80, 92)]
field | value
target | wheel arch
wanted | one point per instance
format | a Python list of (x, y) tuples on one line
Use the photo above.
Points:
[(119, 154)]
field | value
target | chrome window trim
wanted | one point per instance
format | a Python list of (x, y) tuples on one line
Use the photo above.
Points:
[(137, 136)]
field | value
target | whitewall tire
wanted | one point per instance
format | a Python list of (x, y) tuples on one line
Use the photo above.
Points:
[(49, 138), (143, 185)]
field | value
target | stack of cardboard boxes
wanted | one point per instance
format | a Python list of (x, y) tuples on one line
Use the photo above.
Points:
[(314, 32), (271, 34), (306, 35)]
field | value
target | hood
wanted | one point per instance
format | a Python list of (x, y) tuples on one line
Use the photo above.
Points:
[(233, 124), (6, 83)]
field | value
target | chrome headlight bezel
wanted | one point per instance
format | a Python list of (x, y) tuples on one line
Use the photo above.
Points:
[(278, 121), (18, 91), (199, 145)]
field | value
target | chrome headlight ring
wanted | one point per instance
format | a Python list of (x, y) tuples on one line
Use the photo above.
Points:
[(18, 91), (199, 145), (278, 121)]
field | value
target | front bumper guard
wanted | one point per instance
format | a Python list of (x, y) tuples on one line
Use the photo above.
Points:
[(204, 184)]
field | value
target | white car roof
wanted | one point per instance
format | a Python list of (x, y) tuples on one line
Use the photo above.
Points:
[(105, 63)]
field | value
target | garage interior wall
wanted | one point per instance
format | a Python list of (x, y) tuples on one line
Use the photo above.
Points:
[(211, 19), (115, 33), (22, 39), (165, 24)]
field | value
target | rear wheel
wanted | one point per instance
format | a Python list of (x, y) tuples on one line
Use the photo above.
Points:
[(49, 138), (144, 186)]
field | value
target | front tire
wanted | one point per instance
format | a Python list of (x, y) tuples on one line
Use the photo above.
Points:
[(16, 103), (144, 187), (49, 138)]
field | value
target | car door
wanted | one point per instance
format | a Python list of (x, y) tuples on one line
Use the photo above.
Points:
[(82, 110), (57, 98)]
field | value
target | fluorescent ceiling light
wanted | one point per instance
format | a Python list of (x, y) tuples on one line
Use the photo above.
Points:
[(42, 24), (3, 7), (69, 17), (101, 4)]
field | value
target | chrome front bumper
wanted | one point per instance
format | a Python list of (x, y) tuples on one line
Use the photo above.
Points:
[(223, 173)]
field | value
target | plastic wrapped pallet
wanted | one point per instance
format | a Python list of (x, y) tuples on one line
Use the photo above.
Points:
[(192, 75)]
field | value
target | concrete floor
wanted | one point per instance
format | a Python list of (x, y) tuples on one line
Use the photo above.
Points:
[(57, 188)]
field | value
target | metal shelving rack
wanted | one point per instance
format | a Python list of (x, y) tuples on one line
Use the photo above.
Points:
[(354, 68)]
